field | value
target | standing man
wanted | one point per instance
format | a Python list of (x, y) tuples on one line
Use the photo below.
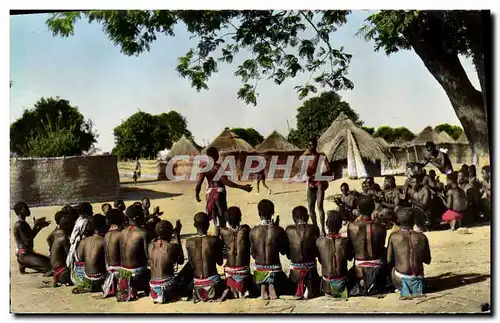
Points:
[(316, 188), (216, 192), (438, 158)]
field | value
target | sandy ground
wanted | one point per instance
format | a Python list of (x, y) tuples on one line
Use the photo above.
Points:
[(459, 272)]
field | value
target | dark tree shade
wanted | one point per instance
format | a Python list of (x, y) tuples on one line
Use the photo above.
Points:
[(392, 134), (250, 135), (453, 131), (51, 122)]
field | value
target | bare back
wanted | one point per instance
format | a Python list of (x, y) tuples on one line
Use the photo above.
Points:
[(112, 248), (93, 255), (237, 243), (408, 251), (163, 256), (302, 242), (204, 253), (456, 199), (133, 247), (59, 249), (267, 242), (334, 252), (367, 239)]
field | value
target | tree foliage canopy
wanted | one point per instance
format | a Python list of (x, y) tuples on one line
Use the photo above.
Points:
[(392, 134), (52, 128), (274, 37), (454, 131), (144, 135), (250, 135), (317, 114)]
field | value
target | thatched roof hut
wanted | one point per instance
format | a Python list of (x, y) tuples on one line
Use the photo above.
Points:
[(382, 141), (400, 143), (462, 139), (446, 138), (343, 140), (228, 142), (183, 146), (429, 134), (335, 144), (275, 142)]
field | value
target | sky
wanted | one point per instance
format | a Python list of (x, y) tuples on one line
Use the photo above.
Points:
[(108, 86)]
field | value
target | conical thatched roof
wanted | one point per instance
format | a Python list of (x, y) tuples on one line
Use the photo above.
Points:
[(400, 143), (275, 142), (183, 146), (228, 142), (462, 139), (429, 134), (445, 138), (382, 141), (334, 141)]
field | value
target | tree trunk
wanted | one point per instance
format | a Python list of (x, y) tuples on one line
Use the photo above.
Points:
[(465, 99)]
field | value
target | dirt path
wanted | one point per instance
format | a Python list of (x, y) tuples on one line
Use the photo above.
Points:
[(459, 272)]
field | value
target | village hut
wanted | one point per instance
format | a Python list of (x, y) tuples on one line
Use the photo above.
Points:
[(182, 147), (429, 134), (229, 144), (348, 146), (461, 153), (276, 145), (401, 156)]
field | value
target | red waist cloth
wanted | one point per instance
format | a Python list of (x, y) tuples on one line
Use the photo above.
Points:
[(57, 273), (451, 215)]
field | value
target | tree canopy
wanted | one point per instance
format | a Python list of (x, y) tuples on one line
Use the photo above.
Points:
[(144, 135), (280, 51), (454, 131), (317, 114), (392, 134), (52, 128), (250, 135)]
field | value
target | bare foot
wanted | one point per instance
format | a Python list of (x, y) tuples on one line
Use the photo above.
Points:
[(272, 292), (263, 292)]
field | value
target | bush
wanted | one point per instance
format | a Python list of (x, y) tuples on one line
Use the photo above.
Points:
[(53, 141)]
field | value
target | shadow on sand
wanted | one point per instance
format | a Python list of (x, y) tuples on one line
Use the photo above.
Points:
[(139, 182), (286, 192), (136, 193), (450, 281)]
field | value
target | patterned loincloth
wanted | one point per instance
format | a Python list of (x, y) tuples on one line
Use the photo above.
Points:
[(338, 286), (303, 269), (109, 286), (204, 288), (78, 273), (411, 285), (235, 277), (451, 215), (372, 271), (129, 281), (93, 282), (266, 274), (212, 196), (159, 288)]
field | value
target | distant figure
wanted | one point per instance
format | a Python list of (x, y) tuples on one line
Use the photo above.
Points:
[(334, 252), (368, 240), (420, 198), (486, 192), (120, 205), (267, 241), (316, 188), (204, 254), (91, 252), (216, 191), (456, 203), (112, 251), (164, 257), (236, 238), (473, 197), (302, 241), (407, 251), (437, 158), (261, 177), (134, 177), (138, 167), (347, 202), (59, 248), (134, 241)]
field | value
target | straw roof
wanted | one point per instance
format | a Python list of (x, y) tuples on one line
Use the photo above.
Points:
[(446, 139), (382, 141), (275, 142), (400, 143), (183, 146), (334, 141), (462, 139), (429, 134), (228, 142)]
